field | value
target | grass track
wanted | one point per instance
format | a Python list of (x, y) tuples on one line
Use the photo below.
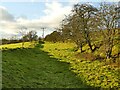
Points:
[(34, 68)]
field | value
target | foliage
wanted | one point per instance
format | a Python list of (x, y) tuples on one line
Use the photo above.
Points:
[(93, 30), (87, 25), (53, 37), (94, 73), (108, 17), (30, 36)]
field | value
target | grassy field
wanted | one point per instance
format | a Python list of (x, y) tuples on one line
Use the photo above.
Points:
[(95, 73), (55, 65), (17, 45), (34, 68)]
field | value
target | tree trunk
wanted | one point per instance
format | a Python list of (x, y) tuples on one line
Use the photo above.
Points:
[(110, 46), (109, 52), (87, 37), (81, 47), (89, 42)]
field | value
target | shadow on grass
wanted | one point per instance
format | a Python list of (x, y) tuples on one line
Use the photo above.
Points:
[(34, 68)]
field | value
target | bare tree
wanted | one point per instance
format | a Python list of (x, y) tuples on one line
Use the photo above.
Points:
[(30, 36), (79, 24), (71, 30), (108, 24)]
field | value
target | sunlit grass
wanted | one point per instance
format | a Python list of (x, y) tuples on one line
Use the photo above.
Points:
[(94, 73), (17, 45)]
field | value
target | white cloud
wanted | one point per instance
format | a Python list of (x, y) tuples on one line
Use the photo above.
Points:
[(5, 15), (111, 0), (54, 13), (7, 23)]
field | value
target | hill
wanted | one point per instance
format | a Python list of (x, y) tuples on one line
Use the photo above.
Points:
[(32, 67)]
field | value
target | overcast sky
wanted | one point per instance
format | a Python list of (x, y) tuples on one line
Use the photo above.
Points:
[(35, 14)]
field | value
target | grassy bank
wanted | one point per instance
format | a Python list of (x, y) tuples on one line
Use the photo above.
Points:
[(17, 45), (34, 68), (95, 73)]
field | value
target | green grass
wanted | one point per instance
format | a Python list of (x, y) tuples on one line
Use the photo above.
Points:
[(17, 45), (56, 65), (34, 68), (95, 73)]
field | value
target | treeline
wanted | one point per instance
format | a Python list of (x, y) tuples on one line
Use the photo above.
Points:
[(26, 37), (89, 25), (6, 41)]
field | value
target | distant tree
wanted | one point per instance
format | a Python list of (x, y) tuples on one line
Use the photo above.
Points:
[(4, 41), (40, 40), (30, 36), (53, 37)]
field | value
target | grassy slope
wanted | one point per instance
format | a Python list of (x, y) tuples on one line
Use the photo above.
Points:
[(94, 73), (17, 45), (34, 68)]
